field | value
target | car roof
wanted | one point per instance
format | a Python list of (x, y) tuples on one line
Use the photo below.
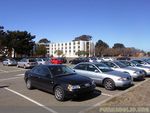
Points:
[(90, 63)]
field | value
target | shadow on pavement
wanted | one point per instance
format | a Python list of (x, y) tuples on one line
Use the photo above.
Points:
[(88, 96)]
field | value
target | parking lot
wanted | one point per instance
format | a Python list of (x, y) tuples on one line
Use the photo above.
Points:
[(16, 98)]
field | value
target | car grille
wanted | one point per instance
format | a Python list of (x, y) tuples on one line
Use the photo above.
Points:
[(85, 85)]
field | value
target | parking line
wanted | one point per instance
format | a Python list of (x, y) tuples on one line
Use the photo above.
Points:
[(31, 100), (3, 70), (106, 94), (19, 75), (10, 78)]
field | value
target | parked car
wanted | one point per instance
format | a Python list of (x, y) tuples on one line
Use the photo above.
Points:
[(59, 80), (27, 63), (104, 75), (142, 62), (137, 65), (9, 62), (42, 61), (56, 60), (107, 59), (78, 60), (123, 58), (137, 74), (91, 59)]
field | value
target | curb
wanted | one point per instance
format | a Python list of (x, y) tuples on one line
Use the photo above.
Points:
[(104, 101)]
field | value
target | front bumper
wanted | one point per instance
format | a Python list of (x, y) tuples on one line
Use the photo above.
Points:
[(82, 90), (127, 83), (138, 77)]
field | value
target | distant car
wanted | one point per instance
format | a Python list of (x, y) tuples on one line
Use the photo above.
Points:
[(103, 75), (142, 62), (27, 63), (136, 74), (9, 62), (123, 58), (56, 60), (107, 59), (78, 60), (59, 80), (43, 61), (137, 65)]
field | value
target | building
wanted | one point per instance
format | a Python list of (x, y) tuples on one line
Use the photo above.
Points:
[(69, 49)]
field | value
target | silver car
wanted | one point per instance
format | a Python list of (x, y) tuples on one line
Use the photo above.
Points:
[(135, 64), (42, 61), (27, 63), (9, 62), (103, 75), (137, 74)]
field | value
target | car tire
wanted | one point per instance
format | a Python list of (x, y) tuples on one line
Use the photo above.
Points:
[(29, 84), (17, 66), (109, 84), (59, 93)]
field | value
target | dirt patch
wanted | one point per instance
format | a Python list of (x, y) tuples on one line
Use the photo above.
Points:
[(137, 97)]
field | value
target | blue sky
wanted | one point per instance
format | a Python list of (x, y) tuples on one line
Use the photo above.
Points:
[(113, 21)]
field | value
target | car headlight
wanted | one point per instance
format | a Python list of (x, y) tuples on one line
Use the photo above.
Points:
[(122, 79), (72, 87), (137, 72)]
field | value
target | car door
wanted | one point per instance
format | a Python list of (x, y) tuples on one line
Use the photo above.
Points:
[(94, 73), (45, 80)]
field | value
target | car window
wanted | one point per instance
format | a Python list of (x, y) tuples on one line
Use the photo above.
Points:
[(91, 68), (121, 65), (60, 70), (44, 71), (35, 70), (80, 67), (110, 64), (32, 60)]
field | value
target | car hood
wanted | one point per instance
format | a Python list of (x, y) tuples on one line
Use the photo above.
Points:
[(118, 74), (73, 79), (133, 69)]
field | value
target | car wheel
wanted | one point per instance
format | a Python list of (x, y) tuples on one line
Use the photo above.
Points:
[(109, 84), (29, 84), (59, 93), (17, 66)]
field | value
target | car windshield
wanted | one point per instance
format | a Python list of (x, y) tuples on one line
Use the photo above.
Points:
[(126, 63), (12, 60), (136, 63), (104, 68), (121, 65), (60, 70), (32, 60)]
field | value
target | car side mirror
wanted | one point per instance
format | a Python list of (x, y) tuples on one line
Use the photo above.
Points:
[(96, 71)]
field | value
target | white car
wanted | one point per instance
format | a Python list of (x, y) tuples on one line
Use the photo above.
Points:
[(42, 61), (137, 66), (107, 59), (118, 66)]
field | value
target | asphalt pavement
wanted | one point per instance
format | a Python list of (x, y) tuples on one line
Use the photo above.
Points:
[(16, 98)]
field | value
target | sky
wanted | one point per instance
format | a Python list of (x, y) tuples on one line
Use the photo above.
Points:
[(113, 21)]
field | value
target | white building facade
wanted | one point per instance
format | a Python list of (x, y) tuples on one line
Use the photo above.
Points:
[(69, 49)]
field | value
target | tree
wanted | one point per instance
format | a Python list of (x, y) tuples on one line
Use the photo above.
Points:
[(59, 52), (81, 53), (44, 40), (100, 47), (148, 53), (41, 50), (83, 38), (21, 41), (118, 46)]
